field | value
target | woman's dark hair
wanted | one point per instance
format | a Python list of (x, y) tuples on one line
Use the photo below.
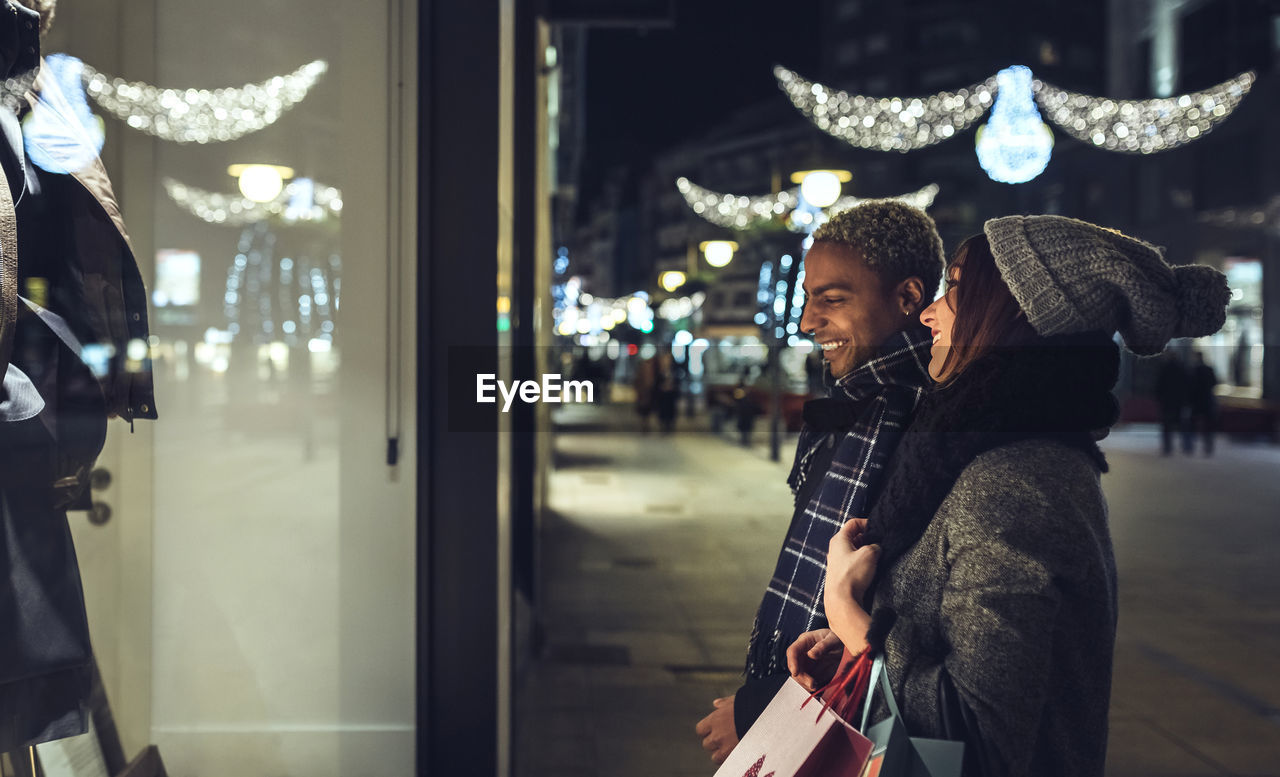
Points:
[(987, 315)]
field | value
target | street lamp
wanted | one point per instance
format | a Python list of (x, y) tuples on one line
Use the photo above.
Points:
[(821, 188), (260, 183), (718, 252), (671, 280)]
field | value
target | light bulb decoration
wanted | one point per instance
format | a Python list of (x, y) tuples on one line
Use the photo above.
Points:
[(742, 212), (921, 198), (202, 115), (301, 200), (1143, 126), (1015, 145), (736, 211), (907, 123), (886, 123), (60, 133)]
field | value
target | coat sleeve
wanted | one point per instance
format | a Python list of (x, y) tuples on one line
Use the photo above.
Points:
[(1008, 550)]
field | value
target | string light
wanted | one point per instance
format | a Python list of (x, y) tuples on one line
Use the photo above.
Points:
[(887, 123), (265, 296), (740, 212), (904, 124), (1142, 126), (736, 212), (1015, 145), (13, 90), (202, 115), (921, 198), (237, 210)]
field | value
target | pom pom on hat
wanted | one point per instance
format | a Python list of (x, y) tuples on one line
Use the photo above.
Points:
[(1073, 276), (1203, 296)]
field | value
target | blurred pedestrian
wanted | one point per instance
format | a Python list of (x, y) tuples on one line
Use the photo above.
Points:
[(984, 576), (870, 271), (744, 410), (1171, 395), (645, 383), (1240, 359), (666, 391), (1202, 404)]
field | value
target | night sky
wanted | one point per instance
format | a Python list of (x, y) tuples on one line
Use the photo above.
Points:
[(653, 89)]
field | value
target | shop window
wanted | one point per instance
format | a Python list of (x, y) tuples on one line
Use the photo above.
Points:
[(1235, 352)]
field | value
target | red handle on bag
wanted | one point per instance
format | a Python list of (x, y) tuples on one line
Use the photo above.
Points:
[(847, 689)]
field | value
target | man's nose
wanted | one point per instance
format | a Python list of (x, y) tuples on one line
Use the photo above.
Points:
[(808, 320)]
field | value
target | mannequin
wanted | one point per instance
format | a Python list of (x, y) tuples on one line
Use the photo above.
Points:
[(67, 278)]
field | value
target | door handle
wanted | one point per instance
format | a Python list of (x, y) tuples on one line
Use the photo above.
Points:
[(100, 513)]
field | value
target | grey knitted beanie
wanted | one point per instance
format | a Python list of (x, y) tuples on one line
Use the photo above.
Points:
[(1073, 276)]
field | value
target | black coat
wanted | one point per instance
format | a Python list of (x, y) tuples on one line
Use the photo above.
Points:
[(53, 408)]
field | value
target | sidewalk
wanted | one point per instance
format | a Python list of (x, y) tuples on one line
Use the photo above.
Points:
[(659, 548)]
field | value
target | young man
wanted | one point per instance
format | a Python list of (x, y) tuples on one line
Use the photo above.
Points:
[(870, 272)]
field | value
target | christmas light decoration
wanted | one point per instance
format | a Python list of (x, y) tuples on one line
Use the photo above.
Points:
[(921, 198), (887, 123), (905, 124), (1142, 126), (1015, 145), (733, 211), (301, 200), (740, 212), (290, 298), (202, 115)]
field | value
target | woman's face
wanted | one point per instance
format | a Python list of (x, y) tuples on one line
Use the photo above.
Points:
[(940, 317)]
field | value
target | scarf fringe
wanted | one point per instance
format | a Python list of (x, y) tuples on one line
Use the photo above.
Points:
[(766, 657)]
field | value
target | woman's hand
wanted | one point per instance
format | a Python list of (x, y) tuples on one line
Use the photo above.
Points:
[(851, 566), (814, 657)]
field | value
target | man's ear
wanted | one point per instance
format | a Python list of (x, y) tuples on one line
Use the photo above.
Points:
[(911, 296)]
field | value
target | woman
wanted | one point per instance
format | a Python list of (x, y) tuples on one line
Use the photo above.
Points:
[(984, 575)]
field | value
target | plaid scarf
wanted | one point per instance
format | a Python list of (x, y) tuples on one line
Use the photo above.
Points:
[(883, 394)]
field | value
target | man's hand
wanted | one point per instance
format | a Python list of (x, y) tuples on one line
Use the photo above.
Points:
[(814, 657), (719, 736)]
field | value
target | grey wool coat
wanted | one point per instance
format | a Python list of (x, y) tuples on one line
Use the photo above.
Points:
[(1010, 596)]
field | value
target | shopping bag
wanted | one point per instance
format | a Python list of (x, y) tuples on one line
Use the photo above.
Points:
[(893, 752), (797, 736)]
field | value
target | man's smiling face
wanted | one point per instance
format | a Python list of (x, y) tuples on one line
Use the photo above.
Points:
[(847, 309)]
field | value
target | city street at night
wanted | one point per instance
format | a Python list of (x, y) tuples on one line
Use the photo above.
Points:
[(657, 549)]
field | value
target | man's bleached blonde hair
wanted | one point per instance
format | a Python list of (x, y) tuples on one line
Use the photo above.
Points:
[(896, 240)]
